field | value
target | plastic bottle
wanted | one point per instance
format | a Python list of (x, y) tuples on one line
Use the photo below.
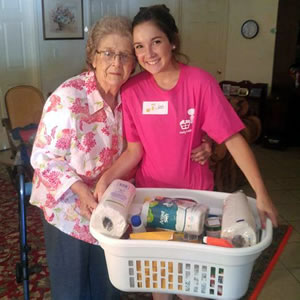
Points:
[(137, 225), (111, 215), (238, 222), (209, 240)]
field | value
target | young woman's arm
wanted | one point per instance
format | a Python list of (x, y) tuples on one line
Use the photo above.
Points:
[(244, 157), (128, 160)]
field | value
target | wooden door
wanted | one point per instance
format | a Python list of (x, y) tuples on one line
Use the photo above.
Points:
[(173, 5), (204, 34), (100, 8), (287, 45), (18, 59)]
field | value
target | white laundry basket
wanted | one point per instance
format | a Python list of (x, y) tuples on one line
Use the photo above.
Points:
[(182, 268)]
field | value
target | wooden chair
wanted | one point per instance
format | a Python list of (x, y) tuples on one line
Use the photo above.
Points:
[(248, 100), (254, 93), (24, 105)]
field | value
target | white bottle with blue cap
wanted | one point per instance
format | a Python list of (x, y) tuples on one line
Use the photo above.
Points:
[(136, 224)]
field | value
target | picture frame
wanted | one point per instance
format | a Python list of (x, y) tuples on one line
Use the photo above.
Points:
[(62, 19), (256, 92), (234, 90)]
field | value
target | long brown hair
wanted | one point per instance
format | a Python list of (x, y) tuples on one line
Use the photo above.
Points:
[(161, 17)]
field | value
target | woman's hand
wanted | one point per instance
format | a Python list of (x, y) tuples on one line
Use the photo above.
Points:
[(87, 202), (203, 152), (245, 159), (126, 163), (266, 208), (100, 188)]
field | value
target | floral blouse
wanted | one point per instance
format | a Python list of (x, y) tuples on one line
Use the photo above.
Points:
[(78, 137)]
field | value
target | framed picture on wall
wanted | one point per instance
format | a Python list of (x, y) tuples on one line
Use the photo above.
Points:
[(62, 19)]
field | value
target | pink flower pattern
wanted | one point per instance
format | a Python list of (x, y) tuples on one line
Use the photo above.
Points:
[(50, 202), (78, 108), (89, 141), (91, 85), (82, 231), (72, 145), (42, 138), (52, 178), (105, 156), (54, 102), (53, 130), (105, 130), (76, 83), (99, 116), (65, 141)]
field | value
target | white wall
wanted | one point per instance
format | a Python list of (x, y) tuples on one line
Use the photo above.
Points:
[(245, 59), (251, 59), (60, 59)]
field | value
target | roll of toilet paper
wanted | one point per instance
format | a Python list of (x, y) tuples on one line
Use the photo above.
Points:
[(110, 216), (238, 222), (181, 215)]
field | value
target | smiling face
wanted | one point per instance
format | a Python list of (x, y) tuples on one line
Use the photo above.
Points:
[(152, 48), (113, 70)]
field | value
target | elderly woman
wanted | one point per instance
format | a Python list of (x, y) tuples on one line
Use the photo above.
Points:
[(79, 136)]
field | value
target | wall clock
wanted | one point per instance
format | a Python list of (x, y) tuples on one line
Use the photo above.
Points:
[(249, 29)]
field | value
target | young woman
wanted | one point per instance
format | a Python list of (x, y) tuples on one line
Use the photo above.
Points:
[(167, 109)]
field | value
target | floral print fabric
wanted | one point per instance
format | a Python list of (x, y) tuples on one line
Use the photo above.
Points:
[(78, 137)]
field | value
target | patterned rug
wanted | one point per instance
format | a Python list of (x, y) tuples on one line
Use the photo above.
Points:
[(39, 282), (10, 251)]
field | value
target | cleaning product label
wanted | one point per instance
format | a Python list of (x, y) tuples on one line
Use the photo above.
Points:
[(213, 226)]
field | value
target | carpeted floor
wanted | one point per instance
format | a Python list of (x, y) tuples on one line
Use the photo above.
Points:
[(10, 251), (39, 283)]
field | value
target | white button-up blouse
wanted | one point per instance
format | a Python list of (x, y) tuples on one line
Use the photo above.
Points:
[(78, 137)]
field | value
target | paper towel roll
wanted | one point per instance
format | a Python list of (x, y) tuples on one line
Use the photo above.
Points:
[(238, 222), (181, 215), (110, 216)]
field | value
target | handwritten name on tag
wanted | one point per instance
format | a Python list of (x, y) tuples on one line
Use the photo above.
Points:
[(155, 108)]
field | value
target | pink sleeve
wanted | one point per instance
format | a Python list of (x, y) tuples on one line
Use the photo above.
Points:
[(220, 121)]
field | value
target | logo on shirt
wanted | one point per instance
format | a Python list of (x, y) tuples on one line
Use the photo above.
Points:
[(186, 125)]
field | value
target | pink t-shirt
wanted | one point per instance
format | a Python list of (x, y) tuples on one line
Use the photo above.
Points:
[(170, 123)]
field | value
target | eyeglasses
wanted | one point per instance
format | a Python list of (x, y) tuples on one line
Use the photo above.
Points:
[(110, 56)]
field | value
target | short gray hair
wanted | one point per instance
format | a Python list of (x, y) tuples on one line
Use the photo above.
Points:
[(105, 26)]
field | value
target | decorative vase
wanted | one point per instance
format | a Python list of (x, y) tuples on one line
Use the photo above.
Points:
[(60, 26)]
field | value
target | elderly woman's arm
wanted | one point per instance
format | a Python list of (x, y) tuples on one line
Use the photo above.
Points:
[(246, 161), (51, 154)]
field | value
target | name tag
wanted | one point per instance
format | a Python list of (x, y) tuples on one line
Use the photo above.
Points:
[(155, 108)]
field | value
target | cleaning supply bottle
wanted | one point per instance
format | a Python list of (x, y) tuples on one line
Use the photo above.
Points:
[(209, 240), (136, 224)]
